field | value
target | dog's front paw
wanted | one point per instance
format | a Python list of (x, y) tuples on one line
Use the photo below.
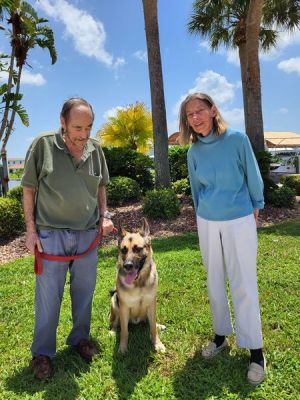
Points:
[(160, 347), (112, 332), (122, 348), (161, 327)]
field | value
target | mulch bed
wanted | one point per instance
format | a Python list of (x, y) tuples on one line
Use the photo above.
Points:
[(131, 215)]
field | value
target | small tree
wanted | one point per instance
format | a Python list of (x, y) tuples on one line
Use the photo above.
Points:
[(28, 31), (132, 126)]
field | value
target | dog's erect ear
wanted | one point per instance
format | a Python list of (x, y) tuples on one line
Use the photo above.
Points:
[(145, 230), (121, 231)]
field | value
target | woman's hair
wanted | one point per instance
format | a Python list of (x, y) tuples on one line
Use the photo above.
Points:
[(73, 102), (186, 133)]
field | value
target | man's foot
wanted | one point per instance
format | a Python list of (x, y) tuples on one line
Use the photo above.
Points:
[(86, 349), (256, 372), (41, 366), (212, 349)]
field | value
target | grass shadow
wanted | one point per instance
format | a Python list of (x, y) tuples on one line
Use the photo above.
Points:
[(202, 379), (180, 242), (129, 368), (289, 228), (61, 386)]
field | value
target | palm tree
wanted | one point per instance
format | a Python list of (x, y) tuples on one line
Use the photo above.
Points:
[(28, 31), (160, 131), (224, 22), (131, 126), (253, 86)]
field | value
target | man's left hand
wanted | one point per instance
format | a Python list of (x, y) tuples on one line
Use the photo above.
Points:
[(107, 226)]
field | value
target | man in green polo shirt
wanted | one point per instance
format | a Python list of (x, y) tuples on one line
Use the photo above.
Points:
[(64, 202)]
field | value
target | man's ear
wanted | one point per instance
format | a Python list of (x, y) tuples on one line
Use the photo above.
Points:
[(63, 123)]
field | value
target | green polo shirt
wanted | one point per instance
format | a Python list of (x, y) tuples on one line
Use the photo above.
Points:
[(66, 190)]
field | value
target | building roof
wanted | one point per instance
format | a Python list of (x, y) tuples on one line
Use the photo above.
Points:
[(173, 139), (282, 139), (273, 139)]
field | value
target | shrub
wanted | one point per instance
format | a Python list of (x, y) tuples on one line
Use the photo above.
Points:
[(16, 193), (182, 186), (282, 197), (121, 189), (264, 159), (11, 218), (269, 187), (178, 162), (292, 181), (123, 161), (161, 203)]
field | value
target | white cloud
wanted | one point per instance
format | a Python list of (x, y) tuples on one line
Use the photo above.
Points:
[(87, 33), (213, 83), (284, 40), (216, 85), (27, 78), (141, 55), (112, 112), (283, 110), (205, 44), (234, 117), (32, 79), (290, 65), (222, 92), (233, 57)]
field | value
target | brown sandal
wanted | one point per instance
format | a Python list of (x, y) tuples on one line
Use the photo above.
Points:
[(42, 367), (86, 349)]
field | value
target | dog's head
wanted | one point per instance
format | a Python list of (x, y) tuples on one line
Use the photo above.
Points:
[(135, 249)]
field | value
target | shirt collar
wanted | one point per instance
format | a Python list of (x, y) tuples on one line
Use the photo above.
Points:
[(61, 145)]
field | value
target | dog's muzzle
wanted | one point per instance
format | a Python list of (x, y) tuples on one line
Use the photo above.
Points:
[(128, 265)]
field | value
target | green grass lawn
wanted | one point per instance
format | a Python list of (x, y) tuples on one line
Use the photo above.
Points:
[(183, 307)]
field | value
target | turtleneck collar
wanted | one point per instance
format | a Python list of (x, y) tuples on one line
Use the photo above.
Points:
[(210, 138)]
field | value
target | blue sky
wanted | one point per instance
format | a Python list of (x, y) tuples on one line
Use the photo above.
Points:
[(102, 57)]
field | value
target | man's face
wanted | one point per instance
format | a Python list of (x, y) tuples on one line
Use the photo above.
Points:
[(79, 125)]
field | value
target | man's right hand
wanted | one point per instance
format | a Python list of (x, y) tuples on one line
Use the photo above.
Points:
[(32, 241)]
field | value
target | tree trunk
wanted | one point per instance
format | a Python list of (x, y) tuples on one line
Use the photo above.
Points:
[(9, 89), (243, 66), (159, 120), (255, 129), (5, 176), (7, 135)]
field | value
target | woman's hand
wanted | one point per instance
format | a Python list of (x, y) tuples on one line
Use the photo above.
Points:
[(256, 213)]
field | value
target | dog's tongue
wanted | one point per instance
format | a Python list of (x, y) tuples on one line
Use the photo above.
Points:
[(130, 277)]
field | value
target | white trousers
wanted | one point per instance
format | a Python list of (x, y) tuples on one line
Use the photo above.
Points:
[(229, 250)]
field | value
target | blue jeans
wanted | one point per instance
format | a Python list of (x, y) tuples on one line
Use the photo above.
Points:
[(50, 287)]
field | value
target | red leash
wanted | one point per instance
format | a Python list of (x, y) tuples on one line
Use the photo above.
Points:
[(39, 257)]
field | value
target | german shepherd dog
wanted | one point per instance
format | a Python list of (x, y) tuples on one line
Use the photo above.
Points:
[(134, 298)]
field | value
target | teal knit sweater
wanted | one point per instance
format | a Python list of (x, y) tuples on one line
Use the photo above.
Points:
[(224, 176)]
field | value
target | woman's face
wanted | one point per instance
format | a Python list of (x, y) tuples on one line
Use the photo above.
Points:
[(200, 116)]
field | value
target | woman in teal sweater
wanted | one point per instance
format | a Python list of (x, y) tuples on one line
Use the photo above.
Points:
[(227, 191)]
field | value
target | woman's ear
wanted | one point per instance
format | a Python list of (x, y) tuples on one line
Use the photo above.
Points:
[(213, 111)]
